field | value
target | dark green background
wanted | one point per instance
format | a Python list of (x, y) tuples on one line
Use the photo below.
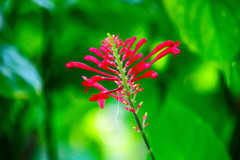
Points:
[(193, 106)]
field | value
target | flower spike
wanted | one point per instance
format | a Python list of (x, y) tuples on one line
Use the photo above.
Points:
[(115, 52), (126, 86)]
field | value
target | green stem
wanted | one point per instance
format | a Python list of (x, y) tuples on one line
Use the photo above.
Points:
[(128, 95), (144, 136)]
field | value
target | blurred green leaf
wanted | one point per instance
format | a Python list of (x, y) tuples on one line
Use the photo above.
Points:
[(18, 77), (30, 38), (209, 28), (1, 20), (132, 1), (204, 79), (208, 102), (232, 76), (178, 133), (48, 4)]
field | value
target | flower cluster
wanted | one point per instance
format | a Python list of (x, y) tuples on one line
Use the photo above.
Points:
[(123, 66)]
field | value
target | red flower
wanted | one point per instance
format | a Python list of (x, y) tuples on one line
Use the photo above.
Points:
[(100, 97), (117, 63)]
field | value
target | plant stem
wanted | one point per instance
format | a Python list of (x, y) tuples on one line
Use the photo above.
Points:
[(128, 95), (143, 135)]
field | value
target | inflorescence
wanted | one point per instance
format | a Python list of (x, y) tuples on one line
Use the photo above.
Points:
[(125, 65)]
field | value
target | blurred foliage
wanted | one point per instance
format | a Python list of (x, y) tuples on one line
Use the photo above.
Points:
[(193, 106)]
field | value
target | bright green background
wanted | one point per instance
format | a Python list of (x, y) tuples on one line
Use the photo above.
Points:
[(193, 106)]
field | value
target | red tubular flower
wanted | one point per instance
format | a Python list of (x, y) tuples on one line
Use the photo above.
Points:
[(151, 74), (100, 97), (108, 55), (129, 109), (144, 120), (136, 129), (86, 67), (139, 106), (96, 51), (88, 83), (93, 59)]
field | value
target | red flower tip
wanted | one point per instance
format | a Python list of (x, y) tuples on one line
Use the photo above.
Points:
[(144, 120), (109, 62), (139, 106), (92, 59), (138, 56), (145, 117), (176, 44), (138, 90), (129, 109), (136, 85), (135, 58), (68, 65), (124, 45), (95, 85), (100, 97), (78, 65), (140, 43), (92, 80), (144, 66), (151, 74), (136, 129), (96, 51), (175, 51), (132, 40), (139, 69)]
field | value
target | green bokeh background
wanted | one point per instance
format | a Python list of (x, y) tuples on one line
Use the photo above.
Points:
[(193, 106)]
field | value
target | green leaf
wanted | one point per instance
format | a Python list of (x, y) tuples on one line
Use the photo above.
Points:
[(18, 77), (204, 78), (47, 4), (232, 76), (209, 28), (30, 38), (207, 103), (178, 133), (132, 1), (1, 21)]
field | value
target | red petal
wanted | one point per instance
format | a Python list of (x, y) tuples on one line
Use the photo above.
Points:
[(132, 110), (104, 66), (158, 48), (93, 98), (135, 58), (139, 44), (139, 69), (86, 89), (92, 59), (109, 62), (86, 67), (101, 102), (124, 45), (96, 51), (95, 85), (151, 74), (132, 40), (165, 52)]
